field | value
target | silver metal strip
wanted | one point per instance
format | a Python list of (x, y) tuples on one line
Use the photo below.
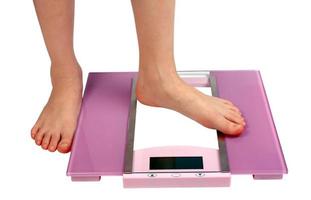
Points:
[(193, 73), (129, 149), (223, 156)]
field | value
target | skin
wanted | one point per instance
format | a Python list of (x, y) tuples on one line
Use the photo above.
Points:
[(158, 83)]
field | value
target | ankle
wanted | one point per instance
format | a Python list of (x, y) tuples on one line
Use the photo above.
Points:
[(69, 75), (151, 89), (157, 70)]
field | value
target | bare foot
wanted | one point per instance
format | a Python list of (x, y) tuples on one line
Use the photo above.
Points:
[(170, 91), (56, 124)]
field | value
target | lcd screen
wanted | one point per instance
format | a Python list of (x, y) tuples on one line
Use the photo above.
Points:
[(159, 163)]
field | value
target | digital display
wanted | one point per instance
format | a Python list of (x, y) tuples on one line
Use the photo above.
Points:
[(161, 163)]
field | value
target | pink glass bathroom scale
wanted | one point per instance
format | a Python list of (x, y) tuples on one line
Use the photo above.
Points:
[(157, 147)]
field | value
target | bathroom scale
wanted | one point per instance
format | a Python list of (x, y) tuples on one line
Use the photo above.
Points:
[(158, 147)]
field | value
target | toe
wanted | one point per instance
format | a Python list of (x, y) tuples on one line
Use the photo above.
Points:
[(235, 129), (65, 143), (46, 141), (235, 117), (39, 137), (54, 142), (228, 127), (34, 131), (64, 146), (229, 105), (233, 108)]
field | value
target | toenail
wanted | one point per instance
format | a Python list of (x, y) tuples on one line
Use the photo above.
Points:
[(64, 144)]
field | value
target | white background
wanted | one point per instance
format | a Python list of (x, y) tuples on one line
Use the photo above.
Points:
[(273, 36)]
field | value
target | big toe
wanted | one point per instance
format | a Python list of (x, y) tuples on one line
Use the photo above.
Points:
[(64, 145), (228, 127)]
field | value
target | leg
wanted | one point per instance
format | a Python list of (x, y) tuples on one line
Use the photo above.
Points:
[(56, 124), (158, 83)]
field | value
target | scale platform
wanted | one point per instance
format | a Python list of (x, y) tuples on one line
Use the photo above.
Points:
[(157, 147)]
